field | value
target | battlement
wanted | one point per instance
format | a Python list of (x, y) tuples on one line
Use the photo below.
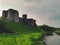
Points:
[(13, 16), (24, 16)]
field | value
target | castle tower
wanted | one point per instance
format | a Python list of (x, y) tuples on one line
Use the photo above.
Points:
[(34, 21), (4, 14), (24, 16), (13, 15)]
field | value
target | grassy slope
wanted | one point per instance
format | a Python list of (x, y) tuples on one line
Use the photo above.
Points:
[(20, 39), (57, 31), (19, 27), (28, 35)]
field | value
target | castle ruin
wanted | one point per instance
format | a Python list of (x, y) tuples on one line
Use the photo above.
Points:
[(13, 16)]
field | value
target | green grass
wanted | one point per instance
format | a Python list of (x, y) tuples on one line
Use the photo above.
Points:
[(20, 39), (57, 31), (19, 27), (23, 34)]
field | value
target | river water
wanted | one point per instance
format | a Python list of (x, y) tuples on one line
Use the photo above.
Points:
[(52, 40)]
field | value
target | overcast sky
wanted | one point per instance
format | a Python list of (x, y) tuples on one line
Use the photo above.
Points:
[(44, 11)]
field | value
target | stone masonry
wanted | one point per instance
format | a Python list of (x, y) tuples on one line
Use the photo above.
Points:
[(13, 16)]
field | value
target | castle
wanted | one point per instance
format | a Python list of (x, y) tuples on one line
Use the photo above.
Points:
[(13, 16)]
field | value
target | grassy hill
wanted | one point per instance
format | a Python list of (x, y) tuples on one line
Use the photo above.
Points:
[(12, 33), (19, 34), (57, 31), (18, 27)]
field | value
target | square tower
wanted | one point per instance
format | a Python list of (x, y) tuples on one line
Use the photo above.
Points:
[(4, 14), (24, 16)]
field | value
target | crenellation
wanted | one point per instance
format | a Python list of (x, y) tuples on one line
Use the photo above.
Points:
[(24, 16)]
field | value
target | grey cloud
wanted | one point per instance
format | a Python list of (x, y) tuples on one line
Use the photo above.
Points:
[(44, 10)]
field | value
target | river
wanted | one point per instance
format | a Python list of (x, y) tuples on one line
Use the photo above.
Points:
[(53, 39)]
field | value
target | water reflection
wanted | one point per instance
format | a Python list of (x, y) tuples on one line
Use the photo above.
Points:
[(53, 40)]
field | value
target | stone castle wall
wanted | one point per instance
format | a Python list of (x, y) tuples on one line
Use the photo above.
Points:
[(13, 15)]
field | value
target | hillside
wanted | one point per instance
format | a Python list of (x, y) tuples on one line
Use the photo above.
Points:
[(17, 27), (12, 33)]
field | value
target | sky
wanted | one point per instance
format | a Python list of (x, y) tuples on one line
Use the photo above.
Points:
[(44, 11)]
